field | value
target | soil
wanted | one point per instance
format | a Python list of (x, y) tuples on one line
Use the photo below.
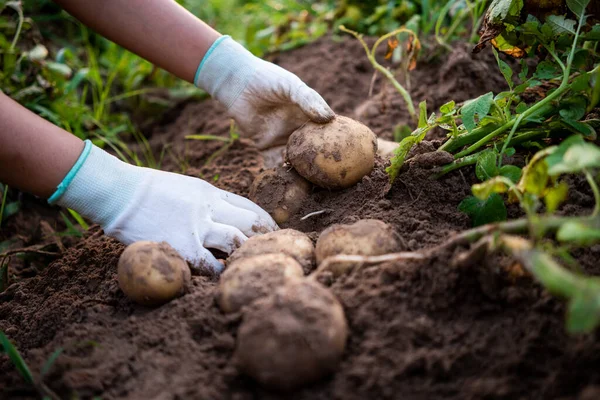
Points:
[(417, 330)]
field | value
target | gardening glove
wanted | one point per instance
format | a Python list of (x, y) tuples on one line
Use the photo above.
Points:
[(266, 101), (134, 203)]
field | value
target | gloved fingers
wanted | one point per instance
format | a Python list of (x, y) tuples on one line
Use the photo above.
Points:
[(312, 104), (201, 259), (264, 222), (248, 222), (223, 237)]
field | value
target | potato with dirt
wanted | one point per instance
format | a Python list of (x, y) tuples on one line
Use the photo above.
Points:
[(251, 278), (335, 155), (284, 241), (152, 273), (293, 337), (280, 192), (366, 237)]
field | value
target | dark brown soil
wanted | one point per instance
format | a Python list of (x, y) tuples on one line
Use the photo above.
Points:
[(419, 330)]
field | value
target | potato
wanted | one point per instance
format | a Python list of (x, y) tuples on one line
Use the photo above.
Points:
[(293, 337), (151, 273), (280, 192), (335, 155), (249, 279), (366, 237), (285, 241)]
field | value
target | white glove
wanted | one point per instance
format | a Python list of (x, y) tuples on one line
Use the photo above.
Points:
[(133, 203), (266, 101)]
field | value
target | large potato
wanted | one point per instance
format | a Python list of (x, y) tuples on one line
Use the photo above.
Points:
[(280, 192), (335, 155), (366, 237), (285, 241), (249, 279), (293, 337), (152, 273)]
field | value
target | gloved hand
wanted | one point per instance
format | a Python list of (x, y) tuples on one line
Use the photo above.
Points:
[(134, 203), (266, 101)]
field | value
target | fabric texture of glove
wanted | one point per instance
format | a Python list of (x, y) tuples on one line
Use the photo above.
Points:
[(134, 203), (266, 101)]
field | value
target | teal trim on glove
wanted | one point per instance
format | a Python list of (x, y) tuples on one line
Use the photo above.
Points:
[(62, 187), (226, 70)]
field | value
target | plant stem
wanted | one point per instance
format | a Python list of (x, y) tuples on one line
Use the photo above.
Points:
[(371, 56), (509, 138), (19, 11), (592, 182), (461, 162), (459, 141)]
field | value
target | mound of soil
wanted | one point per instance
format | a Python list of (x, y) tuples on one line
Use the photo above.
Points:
[(418, 330)]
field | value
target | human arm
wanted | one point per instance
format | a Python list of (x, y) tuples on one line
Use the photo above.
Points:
[(267, 102), (129, 202)]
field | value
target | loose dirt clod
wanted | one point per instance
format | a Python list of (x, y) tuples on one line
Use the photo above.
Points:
[(285, 241), (249, 279), (152, 273), (292, 338), (280, 192), (367, 237), (335, 155)]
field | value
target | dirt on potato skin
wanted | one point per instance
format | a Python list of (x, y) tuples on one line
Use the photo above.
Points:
[(419, 330)]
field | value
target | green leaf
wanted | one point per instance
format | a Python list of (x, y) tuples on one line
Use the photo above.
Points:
[(448, 107), (486, 167), (574, 108), (59, 69), (505, 69), (485, 211), (581, 83), (511, 172), (524, 71), (577, 6), (579, 233), (535, 177), (477, 107), (577, 157), (547, 70), (399, 156), (510, 152), (521, 108), (495, 185), (499, 10), (16, 358), (559, 24), (580, 127), (50, 361), (583, 313), (555, 196), (422, 114), (77, 79)]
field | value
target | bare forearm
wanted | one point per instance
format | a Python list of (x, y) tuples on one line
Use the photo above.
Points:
[(34, 154), (161, 31)]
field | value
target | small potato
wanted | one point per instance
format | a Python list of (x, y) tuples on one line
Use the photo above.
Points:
[(280, 192), (249, 279), (285, 241), (367, 237), (335, 155), (293, 337), (151, 273)]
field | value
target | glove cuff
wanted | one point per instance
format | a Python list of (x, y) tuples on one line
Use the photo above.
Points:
[(99, 186), (225, 70)]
